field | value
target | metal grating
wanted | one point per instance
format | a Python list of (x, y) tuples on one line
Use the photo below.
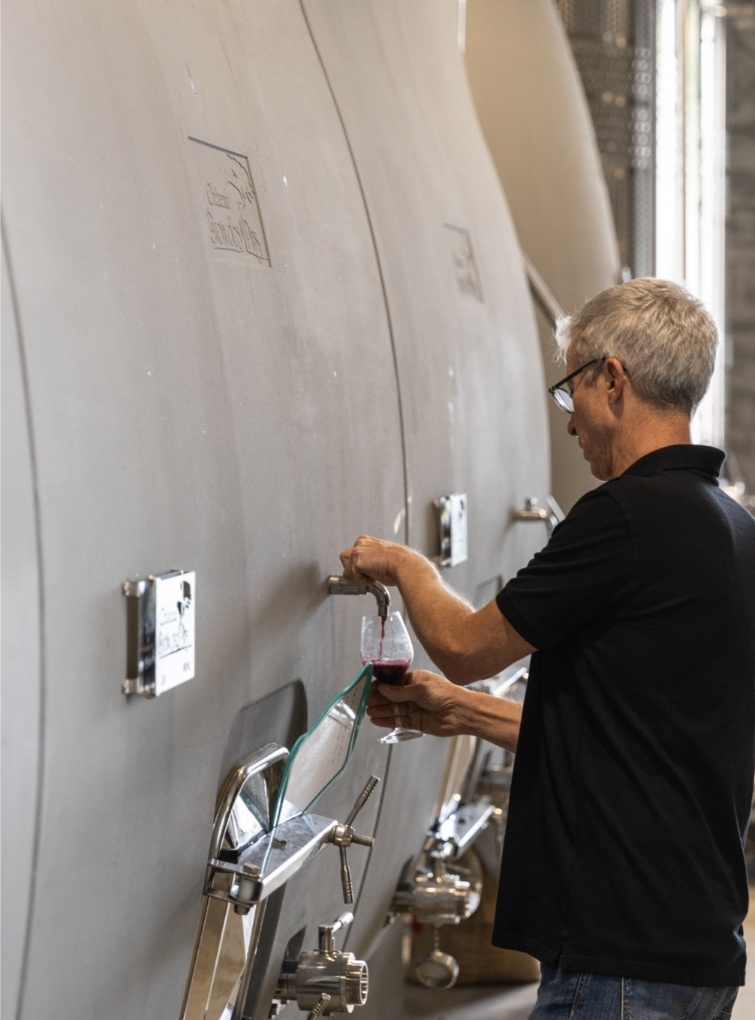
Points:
[(614, 47)]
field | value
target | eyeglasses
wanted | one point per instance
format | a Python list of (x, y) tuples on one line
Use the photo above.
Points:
[(563, 396)]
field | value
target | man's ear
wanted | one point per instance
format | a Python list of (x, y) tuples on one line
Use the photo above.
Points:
[(617, 377)]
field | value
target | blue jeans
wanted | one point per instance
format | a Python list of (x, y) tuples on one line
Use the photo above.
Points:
[(575, 996)]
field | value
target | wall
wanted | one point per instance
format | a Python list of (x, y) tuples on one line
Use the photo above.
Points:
[(740, 242)]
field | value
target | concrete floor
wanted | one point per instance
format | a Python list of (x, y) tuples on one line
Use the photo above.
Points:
[(515, 1002), (471, 1002)]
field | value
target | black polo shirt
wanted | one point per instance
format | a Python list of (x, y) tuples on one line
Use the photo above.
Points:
[(633, 779)]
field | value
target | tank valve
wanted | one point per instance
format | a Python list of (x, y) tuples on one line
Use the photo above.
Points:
[(325, 981), (532, 511), (338, 585), (438, 898)]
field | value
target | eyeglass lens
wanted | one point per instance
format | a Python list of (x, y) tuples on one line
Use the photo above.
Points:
[(564, 399), (561, 394)]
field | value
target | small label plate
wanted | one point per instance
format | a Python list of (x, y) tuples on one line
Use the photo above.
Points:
[(174, 630), (161, 633)]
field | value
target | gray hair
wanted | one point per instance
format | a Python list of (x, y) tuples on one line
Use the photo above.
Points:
[(663, 336)]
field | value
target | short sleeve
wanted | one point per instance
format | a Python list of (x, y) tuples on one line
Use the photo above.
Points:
[(582, 571)]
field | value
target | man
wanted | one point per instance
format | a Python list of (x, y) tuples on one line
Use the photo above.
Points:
[(623, 868)]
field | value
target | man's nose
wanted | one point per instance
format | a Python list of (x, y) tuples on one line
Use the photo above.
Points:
[(571, 428)]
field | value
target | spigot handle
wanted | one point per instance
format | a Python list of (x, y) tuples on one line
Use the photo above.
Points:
[(327, 931), (343, 836), (346, 883), (363, 840), (362, 799), (342, 921), (321, 1006)]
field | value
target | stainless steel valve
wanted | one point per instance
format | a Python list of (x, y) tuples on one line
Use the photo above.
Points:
[(324, 980), (437, 897)]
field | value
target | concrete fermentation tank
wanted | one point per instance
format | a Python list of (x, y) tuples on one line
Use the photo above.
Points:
[(261, 293), (536, 121)]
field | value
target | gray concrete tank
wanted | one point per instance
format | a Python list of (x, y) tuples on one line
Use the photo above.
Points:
[(537, 124), (262, 292)]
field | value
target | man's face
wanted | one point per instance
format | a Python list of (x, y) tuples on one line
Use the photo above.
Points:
[(590, 421)]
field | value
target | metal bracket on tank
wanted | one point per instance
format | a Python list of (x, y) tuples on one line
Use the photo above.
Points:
[(250, 858)]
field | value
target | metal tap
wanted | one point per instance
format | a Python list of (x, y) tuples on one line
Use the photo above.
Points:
[(532, 511), (326, 981), (339, 585), (437, 897)]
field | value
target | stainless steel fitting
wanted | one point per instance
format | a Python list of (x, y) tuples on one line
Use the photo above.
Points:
[(532, 511), (325, 979), (438, 897), (338, 585)]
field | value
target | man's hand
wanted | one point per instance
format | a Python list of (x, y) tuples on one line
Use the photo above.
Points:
[(466, 644), (425, 702), (434, 705), (375, 559)]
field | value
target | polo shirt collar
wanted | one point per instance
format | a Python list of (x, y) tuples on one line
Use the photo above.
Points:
[(704, 459)]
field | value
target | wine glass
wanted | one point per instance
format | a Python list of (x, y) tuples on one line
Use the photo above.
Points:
[(387, 645)]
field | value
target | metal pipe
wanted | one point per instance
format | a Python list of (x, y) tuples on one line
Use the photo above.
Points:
[(338, 585), (542, 293)]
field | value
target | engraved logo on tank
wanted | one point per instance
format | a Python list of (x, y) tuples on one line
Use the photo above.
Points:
[(464, 263), (233, 221)]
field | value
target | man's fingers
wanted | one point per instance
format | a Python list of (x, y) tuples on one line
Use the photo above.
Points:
[(345, 558), (394, 692), (385, 715), (350, 569)]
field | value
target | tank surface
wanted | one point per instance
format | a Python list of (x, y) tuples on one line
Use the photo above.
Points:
[(261, 293), (460, 316), (536, 121)]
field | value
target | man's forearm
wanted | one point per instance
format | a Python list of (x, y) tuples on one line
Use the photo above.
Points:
[(466, 644), (440, 617), (490, 718)]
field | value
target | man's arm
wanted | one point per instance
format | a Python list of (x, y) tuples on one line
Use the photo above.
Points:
[(434, 705), (465, 644)]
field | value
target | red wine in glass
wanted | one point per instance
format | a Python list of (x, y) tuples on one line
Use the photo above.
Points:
[(387, 645), (391, 671)]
